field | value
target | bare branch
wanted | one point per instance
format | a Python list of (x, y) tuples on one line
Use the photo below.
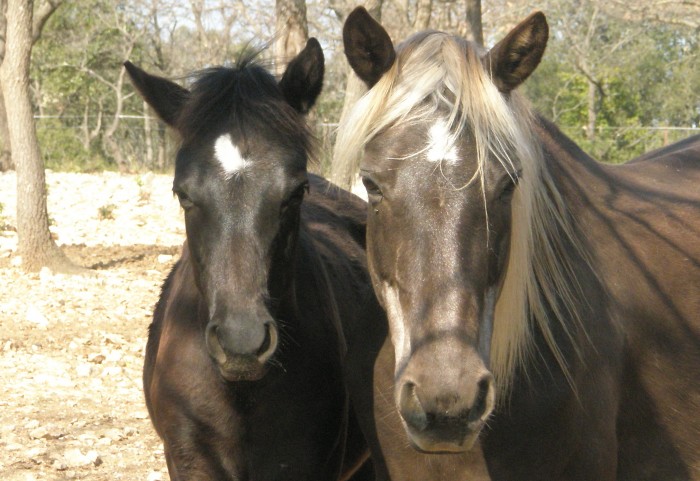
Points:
[(41, 15)]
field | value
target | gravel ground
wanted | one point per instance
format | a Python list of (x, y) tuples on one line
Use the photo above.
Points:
[(71, 347)]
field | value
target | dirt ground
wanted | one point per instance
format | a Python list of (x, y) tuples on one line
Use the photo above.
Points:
[(71, 347)]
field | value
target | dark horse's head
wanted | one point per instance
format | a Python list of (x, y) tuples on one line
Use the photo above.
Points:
[(442, 139), (240, 177)]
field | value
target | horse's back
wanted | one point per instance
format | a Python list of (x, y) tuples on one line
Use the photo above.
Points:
[(671, 173), (652, 206), (652, 210), (688, 148), (649, 257)]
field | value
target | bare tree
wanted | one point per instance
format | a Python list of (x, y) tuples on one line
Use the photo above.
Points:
[(5, 154), (685, 13), (424, 9), (292, 31), (36, 247), (594, 47), (474, 30)]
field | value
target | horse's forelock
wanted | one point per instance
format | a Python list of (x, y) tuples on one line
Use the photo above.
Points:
[(245, 97), (434, 72)]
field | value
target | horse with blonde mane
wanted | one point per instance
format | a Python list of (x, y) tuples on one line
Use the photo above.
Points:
[(539, 302)]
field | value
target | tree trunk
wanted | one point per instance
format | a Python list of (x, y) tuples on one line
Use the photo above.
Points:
[(592, 110), (474, 28), (6, 162), (147, 133), (292, 31), (423, 10), (35, 245), (5, 154), (90, 134), (197, 7), (43, 13), (162, 149), (109, 142)]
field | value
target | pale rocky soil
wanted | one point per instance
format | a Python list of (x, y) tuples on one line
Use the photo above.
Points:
[(71, 347)]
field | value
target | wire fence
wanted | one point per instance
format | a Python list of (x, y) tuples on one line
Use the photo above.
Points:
[(140, 143)]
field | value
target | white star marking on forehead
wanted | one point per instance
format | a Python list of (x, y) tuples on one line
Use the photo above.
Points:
[(228, 155), (441, 145)]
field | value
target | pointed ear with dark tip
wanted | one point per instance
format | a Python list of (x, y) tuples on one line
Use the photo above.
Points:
[(368, 46), (514, 58), (302, 82), (165, 97)]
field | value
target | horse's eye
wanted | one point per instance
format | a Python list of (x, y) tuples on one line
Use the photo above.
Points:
[(298, 194), (301, 190), (296, 197), (374, 193), (507, 192), (185, 201)]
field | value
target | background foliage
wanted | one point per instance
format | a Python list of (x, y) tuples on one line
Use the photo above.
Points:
[(620, 81)]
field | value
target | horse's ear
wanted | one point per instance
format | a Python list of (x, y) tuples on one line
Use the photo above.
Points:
[(368, 46), (302, 82), (164, 96), (514, 58)]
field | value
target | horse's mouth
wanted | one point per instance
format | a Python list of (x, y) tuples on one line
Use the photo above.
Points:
[(450, 441)]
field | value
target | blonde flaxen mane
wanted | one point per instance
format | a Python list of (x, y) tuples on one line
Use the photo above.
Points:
[(434, 71)]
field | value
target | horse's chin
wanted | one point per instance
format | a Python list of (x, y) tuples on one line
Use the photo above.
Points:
[(236, 374), (429, 444)]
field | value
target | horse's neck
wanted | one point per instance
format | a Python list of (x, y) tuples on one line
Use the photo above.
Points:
[(580, 180), (313, 297), (566, 162), (576, 181)]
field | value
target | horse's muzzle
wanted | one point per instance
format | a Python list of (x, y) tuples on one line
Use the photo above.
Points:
[(241, 356), (444, 422)]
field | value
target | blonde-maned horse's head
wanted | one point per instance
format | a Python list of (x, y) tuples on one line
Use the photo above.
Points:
[(455, 182)]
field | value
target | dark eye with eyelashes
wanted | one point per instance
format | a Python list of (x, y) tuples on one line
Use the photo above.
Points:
[(509, 187), (374, 193), (185, 201)]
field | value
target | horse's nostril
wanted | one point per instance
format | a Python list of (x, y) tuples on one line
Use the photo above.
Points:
[(411, 408), (269, 345), (484, 401), (214, 345)]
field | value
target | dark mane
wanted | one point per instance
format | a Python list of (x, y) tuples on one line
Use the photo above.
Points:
[(245, 97)]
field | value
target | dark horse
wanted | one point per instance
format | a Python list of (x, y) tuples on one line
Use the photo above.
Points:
[(538, 301), (243, 374), (268, 323)]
